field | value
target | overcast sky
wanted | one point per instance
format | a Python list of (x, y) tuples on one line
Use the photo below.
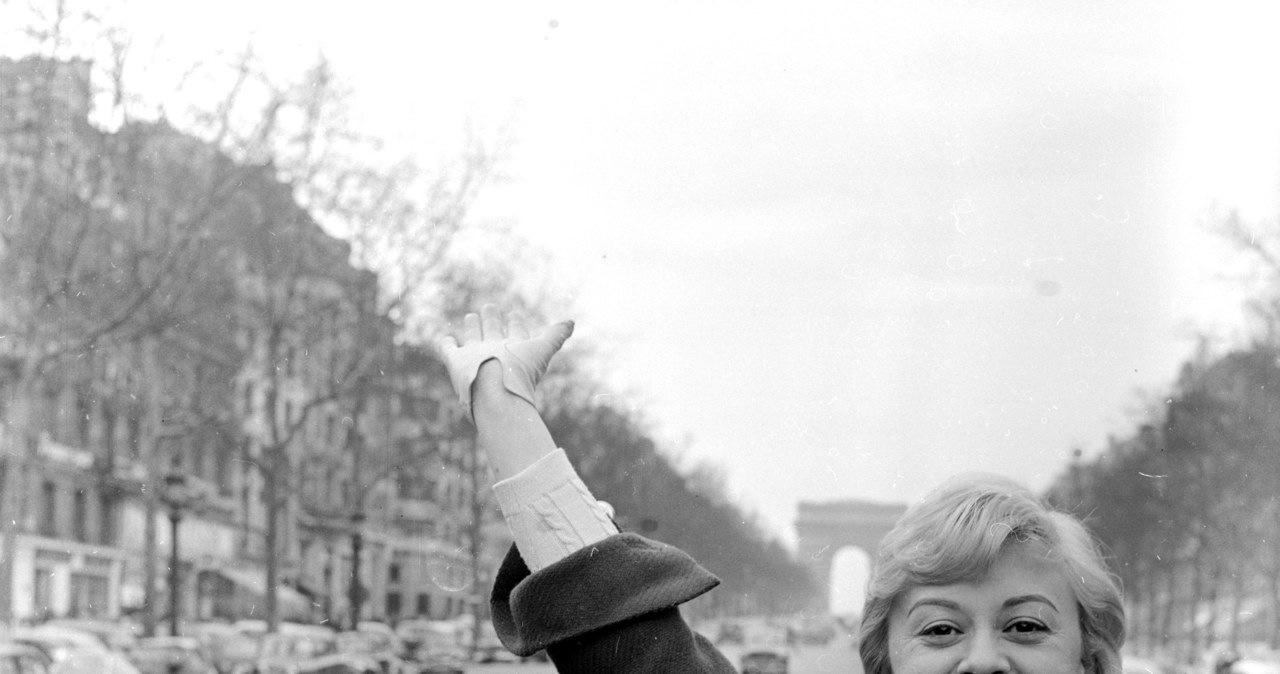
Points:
[(848, 248)]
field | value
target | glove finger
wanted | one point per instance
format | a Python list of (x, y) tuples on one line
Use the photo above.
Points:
[(516, 327), (490, 322), (556, 334), (471, 329)]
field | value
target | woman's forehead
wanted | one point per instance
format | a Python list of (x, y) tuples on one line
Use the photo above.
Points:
[(1020, 572)]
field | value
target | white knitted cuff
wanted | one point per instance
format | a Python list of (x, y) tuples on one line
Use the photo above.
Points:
[(550, 511)]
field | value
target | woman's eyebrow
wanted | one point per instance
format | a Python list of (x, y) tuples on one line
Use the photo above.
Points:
[(1024, 598), (932, 601)]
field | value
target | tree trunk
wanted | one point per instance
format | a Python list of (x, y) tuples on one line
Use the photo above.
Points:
[(18, 436), (154, 461), (149, 570), (1211, 624), (1152, 608), (1237, 600), (355, 591), (1193, 605), (1274, 581), (355, 442), (1169, 603), (9, 503), (1138, 604), (270, 546)]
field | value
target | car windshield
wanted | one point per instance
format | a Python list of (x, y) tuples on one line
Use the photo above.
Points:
[(363, 642)]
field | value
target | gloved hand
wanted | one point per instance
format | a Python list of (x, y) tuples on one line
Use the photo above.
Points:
[(524, 357)]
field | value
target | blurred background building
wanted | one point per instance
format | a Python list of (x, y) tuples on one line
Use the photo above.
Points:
[(212, 331)]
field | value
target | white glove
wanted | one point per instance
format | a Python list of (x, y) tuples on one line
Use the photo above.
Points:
[(524, 357)]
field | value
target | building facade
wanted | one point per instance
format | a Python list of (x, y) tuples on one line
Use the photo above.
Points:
[(307, 440)]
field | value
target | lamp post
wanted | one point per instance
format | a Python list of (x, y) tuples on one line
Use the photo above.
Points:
[(355, 591), (177, 495)]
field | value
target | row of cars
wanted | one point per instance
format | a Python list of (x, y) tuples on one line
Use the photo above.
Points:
[(245, 647), (1251, 659)]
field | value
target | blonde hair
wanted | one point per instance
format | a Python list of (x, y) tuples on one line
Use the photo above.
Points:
[(959, 531)]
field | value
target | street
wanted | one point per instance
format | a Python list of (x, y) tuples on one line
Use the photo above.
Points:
[(837, 656), (513, 668)]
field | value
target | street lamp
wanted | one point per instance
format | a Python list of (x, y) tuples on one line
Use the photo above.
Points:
[(355, 591), (178, 495)]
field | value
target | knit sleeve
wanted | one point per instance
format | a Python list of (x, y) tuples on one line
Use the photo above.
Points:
[(609, 607), (550, 512)]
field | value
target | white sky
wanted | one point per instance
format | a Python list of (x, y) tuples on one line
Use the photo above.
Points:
[(850, 248)]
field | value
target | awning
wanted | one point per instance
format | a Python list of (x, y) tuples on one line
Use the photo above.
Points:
[(254, 582)]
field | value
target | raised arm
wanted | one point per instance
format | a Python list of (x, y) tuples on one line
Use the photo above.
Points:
[(597, 600)]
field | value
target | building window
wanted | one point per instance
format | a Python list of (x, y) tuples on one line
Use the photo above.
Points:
[(53, 411), (106, 526), (222, 474), (79, 523), (109, 433), (424, 604), (135, 433), (83, 414), (89, 595), (393, 573), (248, 397), (49, 509), (393, 604), (43, 592)]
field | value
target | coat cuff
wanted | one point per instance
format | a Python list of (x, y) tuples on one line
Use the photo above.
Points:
[(614, 580)]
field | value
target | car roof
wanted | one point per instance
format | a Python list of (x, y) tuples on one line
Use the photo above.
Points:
[(16, 648)]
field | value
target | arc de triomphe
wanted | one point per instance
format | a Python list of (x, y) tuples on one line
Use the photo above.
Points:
[(822, 529)]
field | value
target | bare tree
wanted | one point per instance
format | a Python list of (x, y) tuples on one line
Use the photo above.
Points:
[(103, 233)]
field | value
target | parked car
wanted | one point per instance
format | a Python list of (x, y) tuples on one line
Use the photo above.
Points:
[(304, 650), (228, 647), (379, 646), (375, 626), (813, 630), (73, 651), (764, 661), (118, 635), (1249, 665), (434, 645), (62, 635), (171, 655), (730, 633), (24, 658)]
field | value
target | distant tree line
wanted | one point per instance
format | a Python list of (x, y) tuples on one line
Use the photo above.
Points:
[(1188, 501), (618, 457)]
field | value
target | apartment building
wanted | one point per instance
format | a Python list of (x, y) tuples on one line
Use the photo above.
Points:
[(307, 439)]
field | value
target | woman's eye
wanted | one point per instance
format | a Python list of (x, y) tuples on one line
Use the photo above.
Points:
[(1027, 627), (940, 630)]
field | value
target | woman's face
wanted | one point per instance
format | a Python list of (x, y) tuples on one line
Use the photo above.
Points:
[(1020, 619)]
